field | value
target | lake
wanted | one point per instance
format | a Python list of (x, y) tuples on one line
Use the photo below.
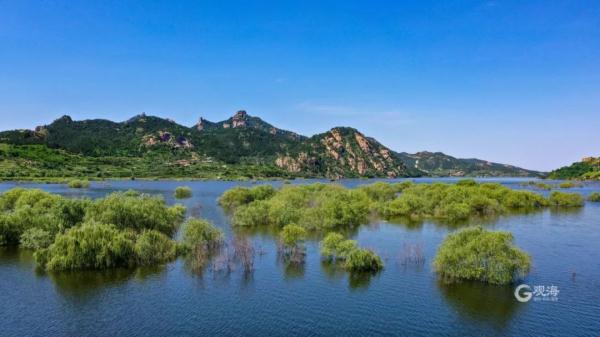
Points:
[(314, 299)]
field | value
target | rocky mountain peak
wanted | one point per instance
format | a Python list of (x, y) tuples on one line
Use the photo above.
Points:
[(239, 119)]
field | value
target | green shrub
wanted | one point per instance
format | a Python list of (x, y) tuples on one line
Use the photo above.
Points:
[(239, 196), (568, 184), (561, 199), (76, 183), (254, 214), (292, 235), (89, 246), (594, 197), (183, 192), (466, 182), (138, 213), (363, 260), (328, 206), (36, 238), (153, 247), (335, 247), (543, 186), (315, 206), (481, 255), (406, 205), (202, 233)]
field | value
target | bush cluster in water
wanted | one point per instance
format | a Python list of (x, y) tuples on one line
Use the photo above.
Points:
[(76, 183), (122, 229), (481, 255), (335, 248), (183, 192), (321, 206), (594, 197)]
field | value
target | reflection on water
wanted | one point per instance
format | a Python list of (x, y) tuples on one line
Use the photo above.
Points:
[(13, 255), (87, 282), (482, 302)]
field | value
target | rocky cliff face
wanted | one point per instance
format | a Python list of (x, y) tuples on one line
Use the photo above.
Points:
[(242, 120), (343, 152)]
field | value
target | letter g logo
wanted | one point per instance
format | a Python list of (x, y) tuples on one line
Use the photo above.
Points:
[(525, 295)]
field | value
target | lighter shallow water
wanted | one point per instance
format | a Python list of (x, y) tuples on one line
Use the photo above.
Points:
[(314, 300)]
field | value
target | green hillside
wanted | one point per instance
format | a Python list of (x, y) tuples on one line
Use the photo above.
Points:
[(242, 146)]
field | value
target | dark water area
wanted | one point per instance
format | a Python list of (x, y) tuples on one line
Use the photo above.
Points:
[(316, 298)]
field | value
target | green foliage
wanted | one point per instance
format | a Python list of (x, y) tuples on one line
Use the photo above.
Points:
[(201, 233), (239, 196), (561, 199), (322, 207), (147, 146), (466, 182), (335, 247), (460, 201), (481, 255), (153, 247), (122, 229), (315, 206), (77, 183), (89, 246), (183, 192), (363, 260), (568, 184), (292, 235), (137, 212), (586, 169), (36, 238), (594, 197)]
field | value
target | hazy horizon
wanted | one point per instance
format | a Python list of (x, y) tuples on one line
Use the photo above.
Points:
[(506, 81)]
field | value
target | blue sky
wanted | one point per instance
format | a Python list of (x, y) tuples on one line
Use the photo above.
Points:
[(510, 81)]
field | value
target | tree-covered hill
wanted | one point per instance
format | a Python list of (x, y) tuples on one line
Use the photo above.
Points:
[(243, 146), (586, 169)]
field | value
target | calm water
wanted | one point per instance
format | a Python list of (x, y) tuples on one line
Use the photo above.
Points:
[(314, 300)]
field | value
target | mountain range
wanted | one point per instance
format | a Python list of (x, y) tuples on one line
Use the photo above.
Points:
[(242, 145)]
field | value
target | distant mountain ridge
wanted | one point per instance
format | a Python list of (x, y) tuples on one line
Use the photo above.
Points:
[(440, 164), (341, 152)]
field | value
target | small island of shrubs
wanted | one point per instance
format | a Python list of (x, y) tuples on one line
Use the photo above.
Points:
[(329, 206), (594, 197), (77, 183), (183, 192), (480, 255), (335, 248), (123, 229)]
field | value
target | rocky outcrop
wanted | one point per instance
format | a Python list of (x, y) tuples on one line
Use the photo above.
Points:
[(343, 152), (166, 138)]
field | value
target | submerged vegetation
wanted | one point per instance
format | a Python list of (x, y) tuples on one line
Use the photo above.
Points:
[(330, 206), (481, 255), (335, 248), (183, 192), (561, 199), (77, 183), (120, 230), (594, 197), (292, 243)]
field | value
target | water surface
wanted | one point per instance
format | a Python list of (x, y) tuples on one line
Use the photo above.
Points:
[(315, 299)]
